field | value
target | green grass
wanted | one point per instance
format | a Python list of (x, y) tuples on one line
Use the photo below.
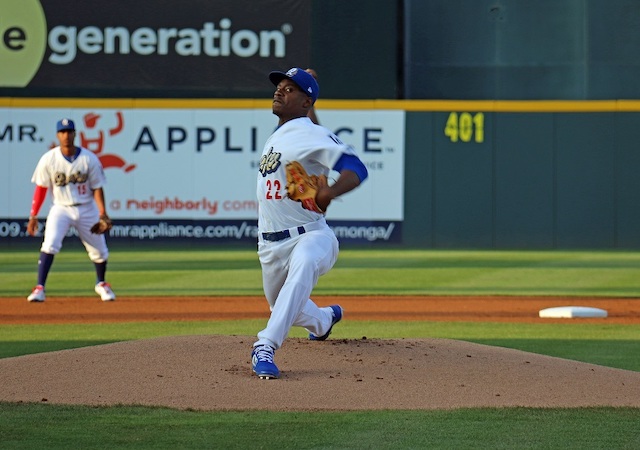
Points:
[(609, 345), (134, 427), (358, 272)]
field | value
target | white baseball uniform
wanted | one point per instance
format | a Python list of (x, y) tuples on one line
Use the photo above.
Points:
[(72, 182), (299, 246)]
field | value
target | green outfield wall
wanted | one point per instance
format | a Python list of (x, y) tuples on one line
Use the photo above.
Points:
[(474, 174), (521, 50), (522, 175), (521, 124)]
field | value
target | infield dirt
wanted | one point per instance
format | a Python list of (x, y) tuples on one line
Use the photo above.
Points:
[(214, 373)]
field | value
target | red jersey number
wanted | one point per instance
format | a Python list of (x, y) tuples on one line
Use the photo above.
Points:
[(273, 190)]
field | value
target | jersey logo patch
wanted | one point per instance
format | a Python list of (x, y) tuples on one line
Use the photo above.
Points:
[(270, 162), (61, 179)]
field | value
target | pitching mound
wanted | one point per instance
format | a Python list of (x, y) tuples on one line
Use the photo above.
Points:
[(214, 373)]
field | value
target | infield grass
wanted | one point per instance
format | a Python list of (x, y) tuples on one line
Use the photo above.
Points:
[(358, 272), (610, 345)]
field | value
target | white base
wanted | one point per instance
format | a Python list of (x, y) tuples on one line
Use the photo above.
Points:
[(569, 312)]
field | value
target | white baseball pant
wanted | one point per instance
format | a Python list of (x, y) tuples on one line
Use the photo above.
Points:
[(290, 271), (82, 218)]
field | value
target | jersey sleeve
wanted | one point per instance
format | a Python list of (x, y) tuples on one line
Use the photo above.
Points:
[(327, 148), (97, 178), (41, 175), (353, 163)]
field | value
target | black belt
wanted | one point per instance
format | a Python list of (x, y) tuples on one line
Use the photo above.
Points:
[(281, 235)]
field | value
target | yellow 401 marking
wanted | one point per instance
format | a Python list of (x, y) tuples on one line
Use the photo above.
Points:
[(464, 127)]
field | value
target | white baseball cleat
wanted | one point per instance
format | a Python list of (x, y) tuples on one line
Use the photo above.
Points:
[(37, 295), (104, 291)]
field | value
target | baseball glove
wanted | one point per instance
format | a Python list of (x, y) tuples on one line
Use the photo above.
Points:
[(103, 225), (302, 187)]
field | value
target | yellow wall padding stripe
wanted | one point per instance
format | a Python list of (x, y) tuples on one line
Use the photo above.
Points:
[(523, 106)]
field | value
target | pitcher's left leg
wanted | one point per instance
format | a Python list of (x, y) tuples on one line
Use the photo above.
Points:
[(313, 255)]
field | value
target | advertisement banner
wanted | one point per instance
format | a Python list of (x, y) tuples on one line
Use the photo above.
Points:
[(198, 167), (190, 45)]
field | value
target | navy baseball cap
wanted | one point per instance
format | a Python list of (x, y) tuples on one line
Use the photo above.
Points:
[(303, 79), (65, 124)]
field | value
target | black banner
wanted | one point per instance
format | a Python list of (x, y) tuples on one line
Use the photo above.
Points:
[(201, 232), (194, 46)]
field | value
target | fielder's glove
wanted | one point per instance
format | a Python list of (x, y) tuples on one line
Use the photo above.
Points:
[(302, 187), (103, 225)]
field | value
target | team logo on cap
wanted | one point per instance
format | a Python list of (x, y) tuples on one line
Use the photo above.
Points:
[(292, 73)]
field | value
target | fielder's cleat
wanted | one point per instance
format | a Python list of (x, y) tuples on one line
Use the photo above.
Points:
[(263, 365), (104, 291), (37, 295), (337, 317)]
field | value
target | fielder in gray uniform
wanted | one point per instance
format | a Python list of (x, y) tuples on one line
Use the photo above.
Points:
[(75, 177), (295, 245)]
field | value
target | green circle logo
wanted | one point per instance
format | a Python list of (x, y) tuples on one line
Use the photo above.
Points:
[(23, 41)]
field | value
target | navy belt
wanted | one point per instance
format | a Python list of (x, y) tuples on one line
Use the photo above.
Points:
[(281, 235)]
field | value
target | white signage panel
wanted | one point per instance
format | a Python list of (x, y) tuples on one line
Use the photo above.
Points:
[(196, 163)]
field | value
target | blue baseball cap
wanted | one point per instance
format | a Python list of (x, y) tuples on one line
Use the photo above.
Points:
[(303, 79), (65, 124)]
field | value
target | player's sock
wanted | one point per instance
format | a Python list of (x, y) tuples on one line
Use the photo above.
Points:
[(101, 271), (44, 266)]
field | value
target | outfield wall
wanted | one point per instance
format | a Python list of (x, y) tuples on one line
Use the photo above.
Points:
[(443, 174), (536, 175), (185, 171), (361, 49)]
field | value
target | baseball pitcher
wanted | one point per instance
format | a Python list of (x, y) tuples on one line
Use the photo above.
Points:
[(295, 244)]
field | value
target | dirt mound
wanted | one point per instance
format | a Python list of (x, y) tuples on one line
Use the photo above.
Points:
[(214, 373)]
